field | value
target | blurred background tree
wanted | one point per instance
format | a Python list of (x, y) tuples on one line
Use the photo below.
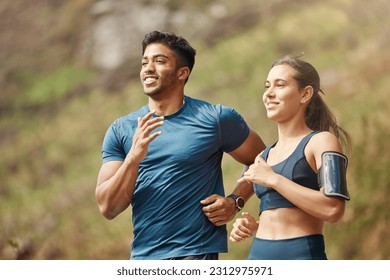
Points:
[(69, 68)]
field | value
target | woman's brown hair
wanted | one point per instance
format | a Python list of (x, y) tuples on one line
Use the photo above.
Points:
[(318, 116)]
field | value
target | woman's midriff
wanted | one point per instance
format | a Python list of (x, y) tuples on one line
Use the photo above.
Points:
[(283, 223)]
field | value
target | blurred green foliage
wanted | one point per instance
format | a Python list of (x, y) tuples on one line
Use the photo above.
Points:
[(51, 131), (53, 86)]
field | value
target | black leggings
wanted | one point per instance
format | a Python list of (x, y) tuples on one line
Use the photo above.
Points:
[(310, 247)]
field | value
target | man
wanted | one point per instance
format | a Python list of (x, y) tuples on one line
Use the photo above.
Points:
[(165, 160)]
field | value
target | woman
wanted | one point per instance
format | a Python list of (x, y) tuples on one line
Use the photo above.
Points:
[(300, 179)]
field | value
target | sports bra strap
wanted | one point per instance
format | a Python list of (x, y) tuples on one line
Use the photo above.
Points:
[(301, 146), (299, 149)]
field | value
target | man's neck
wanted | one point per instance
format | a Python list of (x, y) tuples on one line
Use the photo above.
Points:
[(166, 107)]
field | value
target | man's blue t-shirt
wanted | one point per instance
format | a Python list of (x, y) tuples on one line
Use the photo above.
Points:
[(182, 167)]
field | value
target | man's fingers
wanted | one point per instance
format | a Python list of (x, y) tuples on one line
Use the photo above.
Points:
[(151, 124), (216, 221), (153, 136), (146, 125), (209, 199), (145, 118), (209, 203)]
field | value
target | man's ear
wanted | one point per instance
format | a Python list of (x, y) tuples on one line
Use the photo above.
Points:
[(306, 94), (183, 73)]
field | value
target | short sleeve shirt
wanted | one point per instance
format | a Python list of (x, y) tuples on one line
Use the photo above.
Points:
[(182, 167)]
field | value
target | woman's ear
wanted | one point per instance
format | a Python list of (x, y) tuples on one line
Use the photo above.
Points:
[(306, 94), (183, 73)]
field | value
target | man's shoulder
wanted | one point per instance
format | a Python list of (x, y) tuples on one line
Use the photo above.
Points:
[(206, 105)]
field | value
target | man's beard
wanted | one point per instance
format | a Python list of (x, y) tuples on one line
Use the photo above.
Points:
[(161, 88)]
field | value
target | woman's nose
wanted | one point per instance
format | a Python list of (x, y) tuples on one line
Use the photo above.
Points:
[(269, 92)]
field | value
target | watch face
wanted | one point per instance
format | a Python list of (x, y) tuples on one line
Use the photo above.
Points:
[(240, 202)]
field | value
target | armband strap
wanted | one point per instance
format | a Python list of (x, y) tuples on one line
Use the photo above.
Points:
[(332, 174)]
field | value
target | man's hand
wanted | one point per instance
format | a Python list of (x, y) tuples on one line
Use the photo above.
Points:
[(219, 210), (143, 137)]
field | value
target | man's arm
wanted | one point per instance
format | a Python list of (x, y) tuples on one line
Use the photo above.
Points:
[(117, 179), (220, 210), (115, 187), (247, 152)]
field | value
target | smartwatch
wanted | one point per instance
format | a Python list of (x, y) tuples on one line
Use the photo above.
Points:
[(238, 201)]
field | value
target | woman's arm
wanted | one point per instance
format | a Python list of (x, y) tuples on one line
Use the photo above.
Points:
[(315, 203)]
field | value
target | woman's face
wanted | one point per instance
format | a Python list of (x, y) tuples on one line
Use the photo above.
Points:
[(282, 96)]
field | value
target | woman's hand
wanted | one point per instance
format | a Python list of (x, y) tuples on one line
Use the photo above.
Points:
[(243, 228), (259, 173)]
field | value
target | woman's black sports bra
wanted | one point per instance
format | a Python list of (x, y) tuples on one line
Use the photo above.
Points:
[(295, 168)]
